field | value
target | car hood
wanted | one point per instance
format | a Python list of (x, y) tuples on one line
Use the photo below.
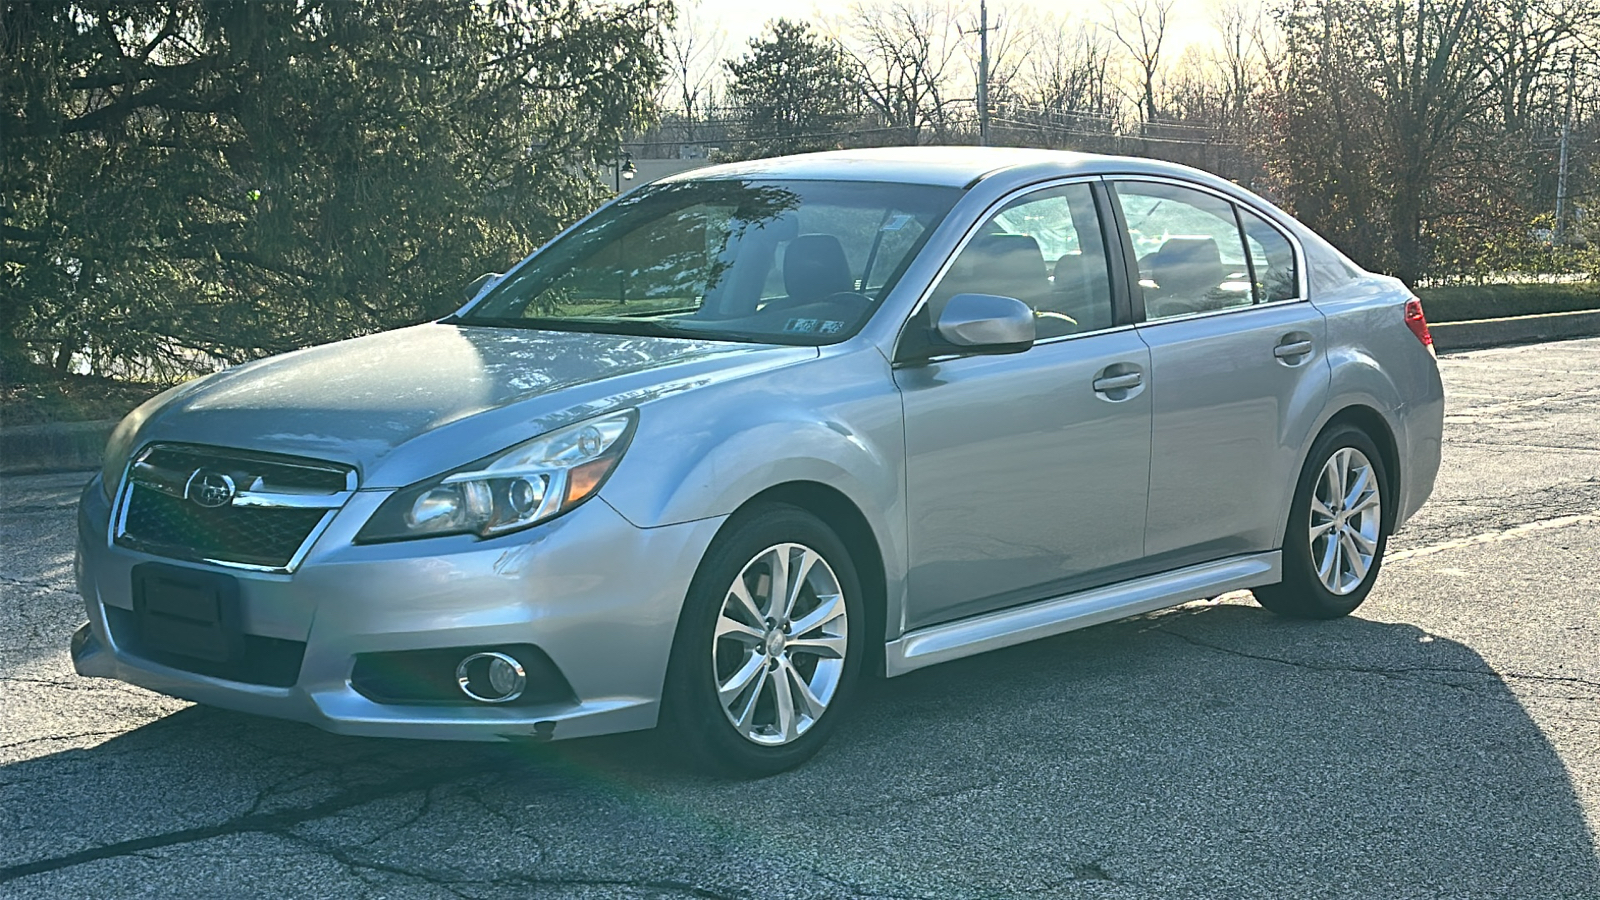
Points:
[(408, 404)]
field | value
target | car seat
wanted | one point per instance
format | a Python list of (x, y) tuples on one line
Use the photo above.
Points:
[(1082, 291), (814, 267), (1186, 270)]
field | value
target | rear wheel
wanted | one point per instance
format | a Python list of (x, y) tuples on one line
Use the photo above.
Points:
[(1337, 532), (769, 645)]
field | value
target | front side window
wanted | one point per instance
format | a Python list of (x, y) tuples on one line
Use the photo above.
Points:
[(1044, 249), (1191, 257), (798, 262)]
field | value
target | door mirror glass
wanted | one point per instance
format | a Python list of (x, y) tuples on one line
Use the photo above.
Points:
[(986, 323)]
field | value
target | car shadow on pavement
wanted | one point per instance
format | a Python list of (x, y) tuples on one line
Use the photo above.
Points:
[(1210, 751)]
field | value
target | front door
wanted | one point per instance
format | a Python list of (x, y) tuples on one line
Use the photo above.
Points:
[(1026, 474)]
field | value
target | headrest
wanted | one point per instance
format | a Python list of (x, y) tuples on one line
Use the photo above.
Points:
[(1015, 257), (814, 266), (1189, 251), (1070, 269)]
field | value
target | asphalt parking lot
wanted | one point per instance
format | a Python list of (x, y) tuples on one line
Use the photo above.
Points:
[(1442, 743)]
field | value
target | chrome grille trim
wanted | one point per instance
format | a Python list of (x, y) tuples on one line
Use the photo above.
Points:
[(274, 484)]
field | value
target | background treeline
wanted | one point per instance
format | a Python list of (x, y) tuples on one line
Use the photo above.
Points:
[(188, 182)]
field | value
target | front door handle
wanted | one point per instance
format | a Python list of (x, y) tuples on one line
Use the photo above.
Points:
[(1291, 349), (1117, 382)]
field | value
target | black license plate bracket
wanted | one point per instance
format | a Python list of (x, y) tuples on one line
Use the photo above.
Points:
[(188, 612)]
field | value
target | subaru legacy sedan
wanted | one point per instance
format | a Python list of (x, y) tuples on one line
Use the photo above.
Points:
[(746, 436)]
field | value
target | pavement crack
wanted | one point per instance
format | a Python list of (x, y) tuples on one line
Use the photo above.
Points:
[(357, 863), (58, 737), (277, 823), (57, 587), (415, 816), (945, 794), (23, 679), (856, 889), (659, 885)]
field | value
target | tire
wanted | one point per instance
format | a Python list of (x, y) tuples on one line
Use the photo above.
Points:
[(732, 702), (1334, 543)]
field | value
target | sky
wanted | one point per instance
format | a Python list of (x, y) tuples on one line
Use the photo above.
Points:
[(1189, 23)]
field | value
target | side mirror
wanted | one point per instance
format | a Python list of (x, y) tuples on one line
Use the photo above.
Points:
[(986, 323), (477, 284)]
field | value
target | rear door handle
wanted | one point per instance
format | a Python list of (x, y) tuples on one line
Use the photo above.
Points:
[(1118, 382), (1291, 349)]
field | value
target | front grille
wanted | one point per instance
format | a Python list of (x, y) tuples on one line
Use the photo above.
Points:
[(275, 470), (263, 511), (174, 527)]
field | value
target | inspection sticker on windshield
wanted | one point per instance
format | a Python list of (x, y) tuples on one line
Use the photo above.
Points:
[(896, 223), (813, 326)]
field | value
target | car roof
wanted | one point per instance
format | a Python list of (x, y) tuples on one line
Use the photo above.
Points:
[(934, 166)]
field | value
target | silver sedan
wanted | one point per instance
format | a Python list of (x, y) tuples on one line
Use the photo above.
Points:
[(745, 436)]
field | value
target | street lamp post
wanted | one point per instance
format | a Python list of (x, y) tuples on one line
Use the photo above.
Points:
[(622, 168)]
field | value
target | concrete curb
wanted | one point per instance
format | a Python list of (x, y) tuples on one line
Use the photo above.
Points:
[(53, 447), (1480, 333), (77, 446)]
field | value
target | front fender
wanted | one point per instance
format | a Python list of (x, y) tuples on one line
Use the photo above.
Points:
[(835, 421)]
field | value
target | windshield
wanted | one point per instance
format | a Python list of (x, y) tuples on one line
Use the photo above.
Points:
[(794, 262)]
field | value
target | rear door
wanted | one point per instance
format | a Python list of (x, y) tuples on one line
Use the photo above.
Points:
[(1238, 368), (1026, 474)]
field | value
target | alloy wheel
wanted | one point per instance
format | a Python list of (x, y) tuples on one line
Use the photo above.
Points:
[(1346, 516), (780, 642)]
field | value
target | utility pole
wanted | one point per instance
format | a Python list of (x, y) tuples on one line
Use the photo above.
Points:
[(983, 71), (1561, 178)]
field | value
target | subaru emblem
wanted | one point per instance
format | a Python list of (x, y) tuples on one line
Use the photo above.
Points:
[(209, 489)]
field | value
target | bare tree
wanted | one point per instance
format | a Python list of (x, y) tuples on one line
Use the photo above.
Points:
[(694, 50), (1064, 87), (1198, 93), (1239, 26), (907, 52), (1538, 42), (1140, 26), (1416, 107)]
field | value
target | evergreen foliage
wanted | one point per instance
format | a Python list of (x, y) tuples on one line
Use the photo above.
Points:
[(796, 89), (184, 182)]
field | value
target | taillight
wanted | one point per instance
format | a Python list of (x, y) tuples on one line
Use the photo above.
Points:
[(1418, 323)]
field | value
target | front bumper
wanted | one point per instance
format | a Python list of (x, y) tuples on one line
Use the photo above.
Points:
[(597, 595)]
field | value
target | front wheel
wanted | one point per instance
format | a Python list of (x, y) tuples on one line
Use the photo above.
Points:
[(1337, 531), (769, 645)]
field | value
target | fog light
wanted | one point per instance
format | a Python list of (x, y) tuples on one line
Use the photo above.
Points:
[(491, 677)]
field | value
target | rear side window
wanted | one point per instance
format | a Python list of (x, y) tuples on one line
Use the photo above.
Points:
[(1191, 256), (1271, 259)]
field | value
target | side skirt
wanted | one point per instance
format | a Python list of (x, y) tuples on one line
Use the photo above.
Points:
[(1056, 615)]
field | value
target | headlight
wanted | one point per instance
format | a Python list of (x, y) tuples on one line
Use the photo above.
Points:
[(527, 484)]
